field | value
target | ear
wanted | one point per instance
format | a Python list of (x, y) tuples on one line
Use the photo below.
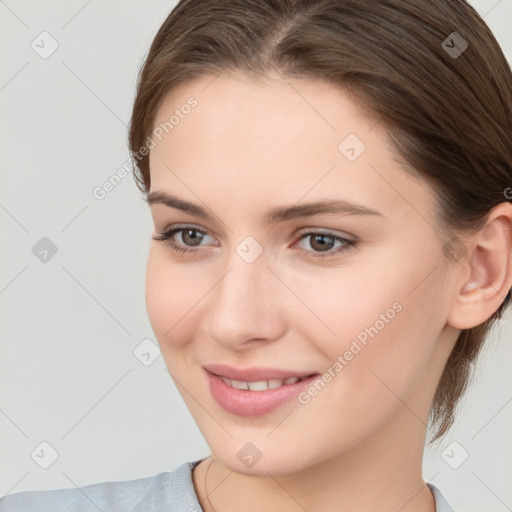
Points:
[(486, 273)]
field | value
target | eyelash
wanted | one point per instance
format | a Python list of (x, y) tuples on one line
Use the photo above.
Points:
[(167, 235)]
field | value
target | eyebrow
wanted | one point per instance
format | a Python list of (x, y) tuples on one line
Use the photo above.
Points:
[(275, 215)]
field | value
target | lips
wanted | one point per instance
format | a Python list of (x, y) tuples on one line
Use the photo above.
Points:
[(255, 374), (231, 388)]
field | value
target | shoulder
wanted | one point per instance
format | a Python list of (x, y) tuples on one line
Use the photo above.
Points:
[(167, 491), (441, 504)]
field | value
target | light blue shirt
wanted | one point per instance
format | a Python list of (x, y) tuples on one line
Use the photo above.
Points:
[(166, 492)]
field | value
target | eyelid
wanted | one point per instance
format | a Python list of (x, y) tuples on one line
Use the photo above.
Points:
[(299, 233), (327, 232)]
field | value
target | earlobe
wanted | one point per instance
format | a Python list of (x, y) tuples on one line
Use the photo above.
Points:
[(489, 267)]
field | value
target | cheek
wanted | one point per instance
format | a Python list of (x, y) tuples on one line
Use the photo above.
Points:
[(381, 332), (345, 302), (379, 298), (168, 296)]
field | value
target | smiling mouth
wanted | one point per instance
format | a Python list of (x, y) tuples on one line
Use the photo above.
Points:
[(269, 389)]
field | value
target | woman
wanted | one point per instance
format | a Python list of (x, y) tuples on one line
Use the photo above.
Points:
[(328, 184)]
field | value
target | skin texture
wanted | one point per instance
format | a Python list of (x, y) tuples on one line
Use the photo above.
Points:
[(250, 146)]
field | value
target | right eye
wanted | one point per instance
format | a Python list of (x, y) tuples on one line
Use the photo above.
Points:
[(190, 233)]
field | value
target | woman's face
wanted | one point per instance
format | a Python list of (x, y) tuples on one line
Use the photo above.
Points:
[(358, 300)]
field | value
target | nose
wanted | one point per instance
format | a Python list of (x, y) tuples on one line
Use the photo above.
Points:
[(246, 306)]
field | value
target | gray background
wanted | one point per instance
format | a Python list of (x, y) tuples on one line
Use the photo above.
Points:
[(69, 326)]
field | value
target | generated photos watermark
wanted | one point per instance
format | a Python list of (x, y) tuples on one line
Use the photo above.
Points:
[(101, 191)]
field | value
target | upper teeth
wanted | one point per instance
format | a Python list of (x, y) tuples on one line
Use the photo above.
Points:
[(260, 385)]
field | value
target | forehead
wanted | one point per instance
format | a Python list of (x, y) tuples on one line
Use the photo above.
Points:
[(238, 106), (277, 136)]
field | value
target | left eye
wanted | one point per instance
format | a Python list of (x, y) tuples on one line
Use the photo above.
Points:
[(324, 242)]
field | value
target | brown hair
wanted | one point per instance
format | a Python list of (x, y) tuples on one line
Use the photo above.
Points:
[(448, 114)]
